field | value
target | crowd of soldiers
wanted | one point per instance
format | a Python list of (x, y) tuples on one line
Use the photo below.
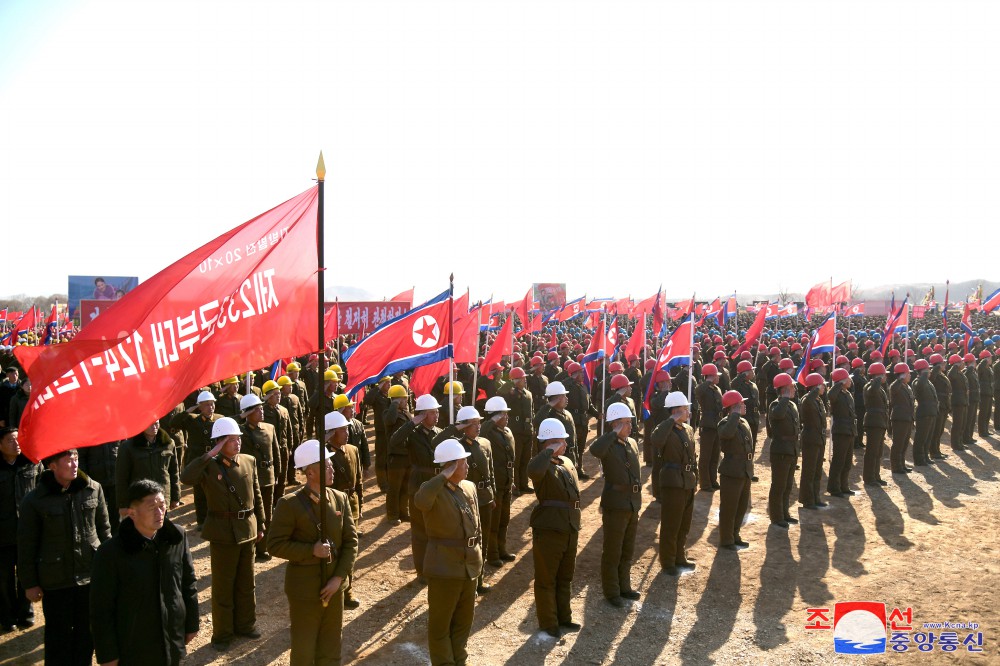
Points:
[(450, 463)]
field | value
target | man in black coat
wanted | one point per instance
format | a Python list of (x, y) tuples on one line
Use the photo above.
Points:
[(143, 598)]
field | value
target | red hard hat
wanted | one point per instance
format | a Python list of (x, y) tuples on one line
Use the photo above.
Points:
[(840, 374), (774, 350), (784, 344), (563, 345), (893, 353), (744, 366), (910, 352), (709, 370), (816, 363), (661, 376), (619, 382), (954, 358), (876, 369), (781, 380), (572, 368), (857, 363), (952, 345), (936, 358), (869, 343), (579, 358), (970, 358), (842, 360), (552, 356), (616, 367), (939, 347), (814, 379), (853, 346), (719, 355), (745, 356), (517, 373), (650, 363), (920, 364), (900, 368), (796, 347), (785, 364), (840, 336), (762, 348), (926, 350), (716, 339), (632, 357), (536, 360), (876, 355), (985, 354), (730, 398)]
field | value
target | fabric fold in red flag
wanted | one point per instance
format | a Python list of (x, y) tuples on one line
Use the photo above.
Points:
[(405, 296), (753, 333), (502, 346), (819, 295), (195, 322)]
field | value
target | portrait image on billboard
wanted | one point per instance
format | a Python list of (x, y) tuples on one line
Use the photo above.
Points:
[(550, 295), (98, 288)]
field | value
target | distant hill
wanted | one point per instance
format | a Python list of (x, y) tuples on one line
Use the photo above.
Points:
[(959, 291)]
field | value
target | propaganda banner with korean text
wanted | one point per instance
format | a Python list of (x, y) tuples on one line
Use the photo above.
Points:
[(362, 317), (240, 301)]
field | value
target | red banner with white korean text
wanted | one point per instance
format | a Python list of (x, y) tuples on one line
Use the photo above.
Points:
[(238, 302), (362, 317)]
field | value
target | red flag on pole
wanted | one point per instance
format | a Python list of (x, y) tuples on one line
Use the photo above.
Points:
[(753, 333), (196, 321), (331, 322), (406, 296), (502, 346)]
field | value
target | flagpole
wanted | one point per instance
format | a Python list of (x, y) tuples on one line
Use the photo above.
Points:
[(511, 315), (691, 350), (320, 417), (479, 325), (604, 382), (451, 341)]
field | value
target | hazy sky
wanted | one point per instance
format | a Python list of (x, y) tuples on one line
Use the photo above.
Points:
[(613, 146)]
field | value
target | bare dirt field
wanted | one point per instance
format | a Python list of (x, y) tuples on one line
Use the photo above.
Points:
[(928, 541)]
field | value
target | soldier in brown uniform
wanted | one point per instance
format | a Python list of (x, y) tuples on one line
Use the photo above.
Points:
[(197, 429), (501, 441), (520, 401), (972, 411), (580, 408), (260, 441), (555, 527), (281, 419), (454, 553), (234, 523), (926, 412), (735, 470), (556, 396), (315, 605), (149, 455), (356, 436), (455, 392), (621, 500), (622, 393), (397, 458), (812, 410), (901, 415), (228, 403), (876, 424), (297, 414), (347, 479), (783, 426), (959, 401), (676, 467), (986, 379), (843, 428), (379, 400), (709, 398), (537, 383), (943, 387)]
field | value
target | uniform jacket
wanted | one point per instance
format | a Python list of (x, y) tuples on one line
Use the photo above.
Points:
[(454, 533), (279, 417), (959, 387), (710, 400), (628, 402), (943, 387), (985, 378), (783, 420), (480, 467), (417, 443), (926, 397), (293, 532), (16, 481), (261, 442), (395, 417), (242, 474), (100, 462), (844, 420), (555, 482), (347, 470), (521, 407), (537, 385), (502, 445), (59, 531), (900, 401), (198, 432), (972, 378), (674, 446), (736, 442), (357, 437), (579, 404), (143, 595), (876, 405), (858, 384), (813, 415), (748, 390), (621, 467), (297, 414), (137, 459), (547, 412)]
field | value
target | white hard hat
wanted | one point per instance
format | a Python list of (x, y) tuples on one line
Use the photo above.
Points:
[(618, 410), (225, 426), (206, 396), (448, 451), (426, 401), (551, 429), (496, 404), (248, 402), (307, 453), (555, 388), (467, 413), (335, 420), (676, 399)]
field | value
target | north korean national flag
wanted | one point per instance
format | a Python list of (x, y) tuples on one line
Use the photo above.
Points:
[(856, 310), (415, 338)]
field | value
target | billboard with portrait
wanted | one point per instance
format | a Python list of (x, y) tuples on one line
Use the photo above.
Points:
[(98, 288), (549, 295)]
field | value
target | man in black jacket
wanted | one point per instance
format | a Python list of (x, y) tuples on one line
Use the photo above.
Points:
[(62, 522), (17, 478), (143, 598)]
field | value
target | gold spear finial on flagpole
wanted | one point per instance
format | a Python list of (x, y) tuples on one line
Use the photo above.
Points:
[(321, 167)]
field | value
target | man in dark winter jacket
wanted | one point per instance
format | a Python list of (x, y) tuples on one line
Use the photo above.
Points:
[(17, 478), (143, 598)]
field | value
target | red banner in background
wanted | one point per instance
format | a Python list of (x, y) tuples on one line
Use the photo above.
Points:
[(362, 317), (918, 311), (238, 302)]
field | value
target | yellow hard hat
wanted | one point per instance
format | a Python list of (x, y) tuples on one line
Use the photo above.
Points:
[(331, 376), (231, 380), (397, 391), (268, 386), (341, 401), (284, 380), (336, 368), (385, 379), (293, 367), (454, 388)]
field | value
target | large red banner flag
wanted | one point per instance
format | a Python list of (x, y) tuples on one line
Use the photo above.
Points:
[(419, 337), (753, 333), (502, 346), (197, 321)]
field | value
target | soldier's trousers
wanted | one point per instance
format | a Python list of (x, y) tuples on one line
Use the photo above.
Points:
[(647, 446), (872, 467), (496, 544), (782, 481), (485, 519), (922, 435), (859, 437), (957, 434), (971, 417), (985, 410), (68, 640), (451, 605), (754, 424), (942, 416), (581, 444), (996, 409), (618, 550), (280, 474), (734, 499), (111, 498), (397, 495), (267, 497), (522, 454), (676, 505), (381, 459), (200, 505), (708, 458), (900, 440), (418, 538), (234, 605), (841, 464), (812, 474), (554, 557), (14, 605), (316, 631)]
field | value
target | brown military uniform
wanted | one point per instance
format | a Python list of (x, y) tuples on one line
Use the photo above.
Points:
[(676, 466), (876, 424), (281, 419), (198, 435), (813, 414), (261, 443), (502, 444), (783, 426), (735, 472), (843, 427), (621, 500)]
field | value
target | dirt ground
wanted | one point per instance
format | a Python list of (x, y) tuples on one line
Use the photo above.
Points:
[(928, 541)]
